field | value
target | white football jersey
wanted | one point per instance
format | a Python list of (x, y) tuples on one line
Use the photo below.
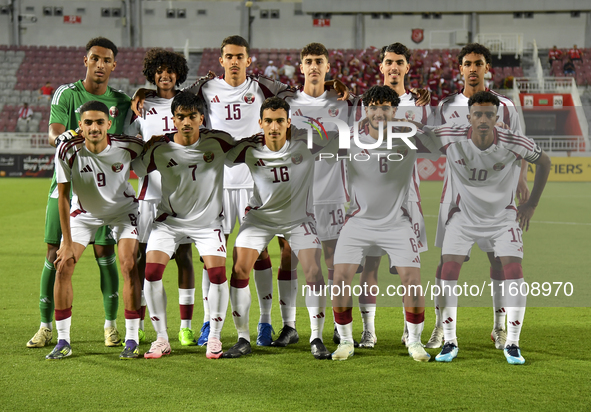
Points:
[(329, 177), (283, 179), (236, 110), (379, 186), (158, 121), (483, 182), (192, 176), (454, 110), (99, 181)]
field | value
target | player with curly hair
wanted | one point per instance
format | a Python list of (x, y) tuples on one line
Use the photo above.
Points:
[(166, 70)]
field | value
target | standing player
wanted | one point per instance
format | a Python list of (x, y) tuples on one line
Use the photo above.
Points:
[(191, 165), (233, 103), (315, 101), (484, 163), (166, 70), (395, 65), (377, 219), (475, 61), (95, 166), (99, 62), (282, 170)]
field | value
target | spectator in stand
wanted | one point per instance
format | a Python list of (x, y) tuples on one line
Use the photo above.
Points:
[(433, 84), (46, 91), (569, 67), (258, 70), (445, 89), (575, 54), (271, 71), (287, 71), (554, 54), (25, 114)]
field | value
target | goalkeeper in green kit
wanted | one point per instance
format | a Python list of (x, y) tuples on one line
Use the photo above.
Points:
[(100, 62)]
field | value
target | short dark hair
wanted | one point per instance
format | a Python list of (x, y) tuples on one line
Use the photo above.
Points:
[(187, 101), (397, 48), (156, 58), (235, 41), (95, 106), (483, 97), (275, 103), (380, 95), (101, 42), (475, 48), (314, 49)]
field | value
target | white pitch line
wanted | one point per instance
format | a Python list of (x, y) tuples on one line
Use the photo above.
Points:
[(544, 221)]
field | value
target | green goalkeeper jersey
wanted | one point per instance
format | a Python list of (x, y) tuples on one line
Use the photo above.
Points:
[(65, 109)]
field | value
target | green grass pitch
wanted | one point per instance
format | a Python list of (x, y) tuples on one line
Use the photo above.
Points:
[(556, 376)]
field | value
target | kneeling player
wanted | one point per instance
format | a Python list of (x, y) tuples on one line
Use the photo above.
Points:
[(377, 219), (484, 165), (282, 170), (97, 166), (191, 165)]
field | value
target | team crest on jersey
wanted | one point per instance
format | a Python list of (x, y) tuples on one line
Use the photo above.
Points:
[(117, 167), (410, 115), (498, 167), (297, 159), (249, 98), (333, 111), (208, 157), (113, 112)]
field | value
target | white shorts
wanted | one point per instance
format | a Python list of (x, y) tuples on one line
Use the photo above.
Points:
[(147, 213), (208, 241), (234, 202), (502, 238), (330, 219), (255, 234), (398, 241), (83, 226)]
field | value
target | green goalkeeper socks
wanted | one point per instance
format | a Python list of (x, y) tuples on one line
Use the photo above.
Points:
[(109, 285), (46, 305)]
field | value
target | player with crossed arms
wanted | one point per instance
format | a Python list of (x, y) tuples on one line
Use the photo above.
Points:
[(484, 165), (96, 166), (191, 165)]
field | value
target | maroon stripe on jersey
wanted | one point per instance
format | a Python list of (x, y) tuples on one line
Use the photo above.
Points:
[(144, 188), (68, 145), (420, 147), (130, 196), (152, 164), (357, 211), (420, 208), (405, 213), (414, 181), (511, 207), (347, 197), (444, 188), (226, 147), (161, 218), (76, 212), (241, 158), (132, 153), (425, 117), (308, 214), (453, 211), (444, 148), (266, 92), (510, 138), (517, 143)]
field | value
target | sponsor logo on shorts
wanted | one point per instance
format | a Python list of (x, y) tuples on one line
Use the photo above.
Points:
[(297, 159), (208, 157), (117, 167), (113, 111), (249, 98), (498, 167)]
